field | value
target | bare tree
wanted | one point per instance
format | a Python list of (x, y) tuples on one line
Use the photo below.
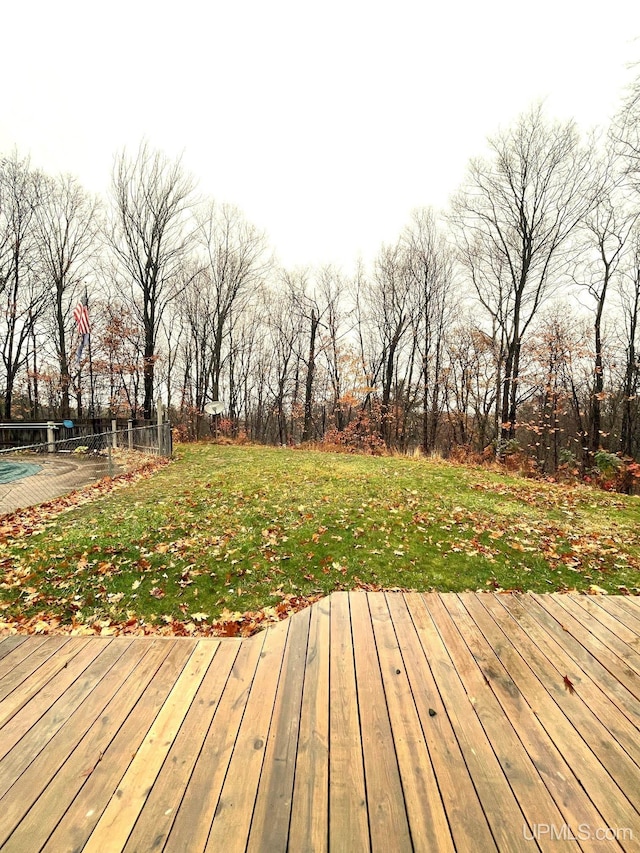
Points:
[(20, 280), (470, 383), (429, 264), (150, 234), (67, 229), (235, 262), (625, 132), (607, 228), (513, 219), (630, 299), (390, 295), (284, 337), (334, 331)]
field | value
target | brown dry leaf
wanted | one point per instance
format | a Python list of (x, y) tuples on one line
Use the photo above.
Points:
[(569, 684)]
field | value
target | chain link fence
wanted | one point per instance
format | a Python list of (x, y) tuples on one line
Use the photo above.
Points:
[(35, 473)]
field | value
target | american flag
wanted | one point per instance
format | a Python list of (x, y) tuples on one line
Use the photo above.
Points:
[(81, 316)]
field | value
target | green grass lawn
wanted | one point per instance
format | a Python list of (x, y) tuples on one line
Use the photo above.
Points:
[(240, 528)]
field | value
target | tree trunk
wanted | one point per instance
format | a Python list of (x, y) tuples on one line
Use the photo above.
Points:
[(308, 398)]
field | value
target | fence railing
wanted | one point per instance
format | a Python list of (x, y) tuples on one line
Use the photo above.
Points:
[(35, 473), (148, 439)]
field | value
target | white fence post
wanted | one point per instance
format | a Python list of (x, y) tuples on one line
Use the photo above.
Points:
[(114, 432), (130, 433), (51, 437)]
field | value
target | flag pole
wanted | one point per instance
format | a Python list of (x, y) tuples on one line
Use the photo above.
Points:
[(93, 410)]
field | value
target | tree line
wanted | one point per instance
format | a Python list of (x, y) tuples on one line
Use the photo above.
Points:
[(508, 322)]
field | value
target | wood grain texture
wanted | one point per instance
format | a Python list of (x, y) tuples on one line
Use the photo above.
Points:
[(372, 721)]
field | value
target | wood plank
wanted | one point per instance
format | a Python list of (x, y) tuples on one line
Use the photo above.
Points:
[(120, 815), (592, 643), (157, 816), (42, 733), (348, 823), (587, 662), (475, 660), (19, 724), (19, 653), (26, 788), (36, 826), (629, 603), (272, 810), (8, 644), (501, 808), (613, 605), (627, 655), (34, 684), (385, 800), (232, 819), (192, 823), (618, 725), (11, 680), (466, 818), (611, 622), (270, 752), (553, 796), (428, 823), (98, 787), (568, 721), (309, 829)]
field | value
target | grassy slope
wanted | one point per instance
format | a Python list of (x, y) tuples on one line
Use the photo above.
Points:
[(236, 528)]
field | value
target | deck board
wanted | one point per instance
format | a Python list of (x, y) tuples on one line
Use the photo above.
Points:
[(101, 778), (424, 807), (541, 780), (234, 811), (616, 608), (19, 652), (152, 827), (567, 719), (309, 825), (272, 811), (466, 818), (619, 727), (586, 631), (627, 603), (610, 621), (197, 808), (347, 792), (16, 675), (8, 644), (385, 800), (371, 721), (56, 797), (36, 696)]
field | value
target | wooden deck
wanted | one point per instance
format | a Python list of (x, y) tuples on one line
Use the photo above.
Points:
[(369, 722)]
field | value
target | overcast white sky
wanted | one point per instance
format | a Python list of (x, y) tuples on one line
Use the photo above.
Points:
[(325, 122)]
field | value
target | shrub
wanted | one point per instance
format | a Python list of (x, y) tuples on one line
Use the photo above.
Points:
[(359, 436)]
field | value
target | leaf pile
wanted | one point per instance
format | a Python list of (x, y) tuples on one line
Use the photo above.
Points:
[(227, 625)]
